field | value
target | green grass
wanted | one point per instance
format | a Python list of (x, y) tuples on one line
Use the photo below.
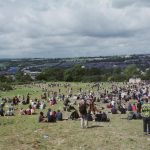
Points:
[(21, 90), (24, 132)]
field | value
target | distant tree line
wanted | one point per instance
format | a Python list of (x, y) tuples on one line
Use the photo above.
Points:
[(7, 82), (77, 74), (81, 74)]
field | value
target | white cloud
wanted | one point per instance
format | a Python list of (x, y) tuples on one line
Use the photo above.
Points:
[(56, 28)]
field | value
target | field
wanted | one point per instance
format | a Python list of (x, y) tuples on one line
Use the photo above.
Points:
[(24, 132)]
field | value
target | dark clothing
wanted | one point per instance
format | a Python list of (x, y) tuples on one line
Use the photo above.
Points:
[(66, 102), (82, 109), (28, 99), (74, 115), (49, 117), (146, 123), (129, 107), (114, 110), (98, 117), (89, 117), (59, 116), (1, 112), (139, 107), (123, 110), (101, 117)]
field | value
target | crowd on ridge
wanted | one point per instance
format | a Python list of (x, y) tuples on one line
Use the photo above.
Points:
[(130, 99)]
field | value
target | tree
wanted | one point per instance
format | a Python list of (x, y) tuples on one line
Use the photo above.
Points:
[(5, 87), (6, 79), (68, 75), (51, 74), (146, 76), (21, 77), (41, 76), (117, 70), (78, 72), (131, 71)]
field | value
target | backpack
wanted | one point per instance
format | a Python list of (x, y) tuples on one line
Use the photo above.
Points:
[(82, 109)]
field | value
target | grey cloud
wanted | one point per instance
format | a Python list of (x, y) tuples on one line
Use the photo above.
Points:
[(56, 28), (130, 3)]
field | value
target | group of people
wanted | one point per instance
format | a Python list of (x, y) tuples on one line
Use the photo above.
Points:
[(88, 112), (118, 98), (9, 112), (51, 116)]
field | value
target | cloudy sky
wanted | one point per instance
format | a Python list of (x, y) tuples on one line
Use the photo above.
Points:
[(72, 28)]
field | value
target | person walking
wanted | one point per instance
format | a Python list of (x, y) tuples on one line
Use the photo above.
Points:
[(83, 113), (145, 113)]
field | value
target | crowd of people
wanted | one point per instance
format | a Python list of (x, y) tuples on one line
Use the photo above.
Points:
[(87, 104)]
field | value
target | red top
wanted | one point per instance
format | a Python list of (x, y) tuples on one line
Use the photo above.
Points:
[(134, 108)]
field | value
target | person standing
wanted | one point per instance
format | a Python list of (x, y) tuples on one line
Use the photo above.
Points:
[(145, 113), (139, 106), (83, 113)]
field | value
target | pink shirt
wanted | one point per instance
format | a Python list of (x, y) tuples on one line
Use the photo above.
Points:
[(134, 108)]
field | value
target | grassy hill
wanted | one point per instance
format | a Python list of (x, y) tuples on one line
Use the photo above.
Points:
[(24, 132)]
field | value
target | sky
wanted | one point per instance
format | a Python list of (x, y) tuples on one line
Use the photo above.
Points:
[(73, 28)]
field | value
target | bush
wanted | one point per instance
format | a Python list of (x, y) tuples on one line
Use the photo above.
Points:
[(5, 87)]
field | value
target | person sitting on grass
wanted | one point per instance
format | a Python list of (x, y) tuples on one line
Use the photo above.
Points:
[(101, 116), (134, 109), (129, 107), (38, 105), (59, 115), (122, 109), (51, 116), (22, 112), (28, 111), (66, 102), (41, 117), (114, 110), (1, 111), (43, 105), (98, 116), (104, 117), (74, 115), (10, 111), (53, 101), (15, 100), (32, 111)]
